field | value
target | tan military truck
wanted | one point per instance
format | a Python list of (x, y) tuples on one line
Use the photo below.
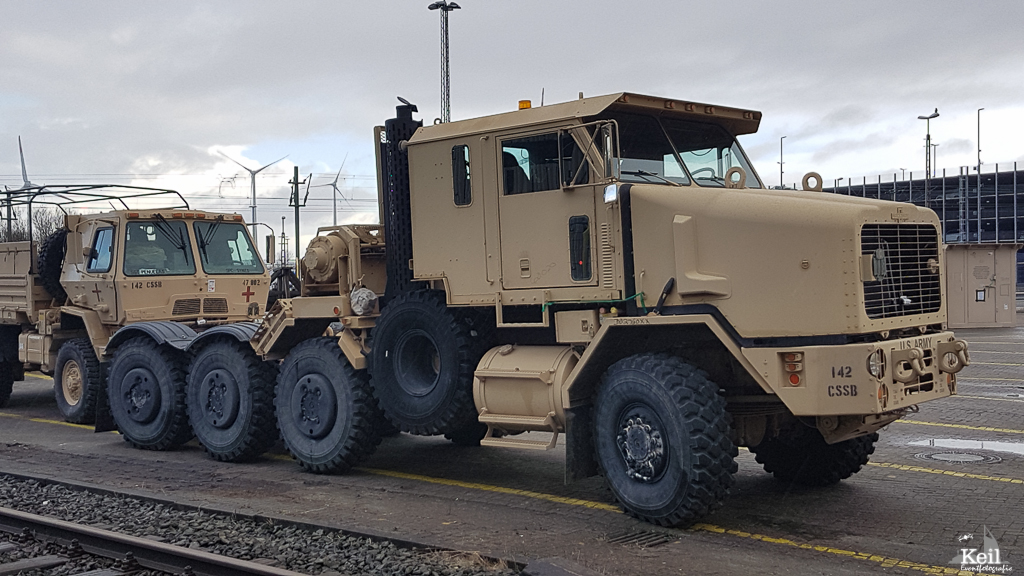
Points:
[(612, 269), (138, 294)]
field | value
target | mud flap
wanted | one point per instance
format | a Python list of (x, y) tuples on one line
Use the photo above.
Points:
[(104, 419), (579, 444)]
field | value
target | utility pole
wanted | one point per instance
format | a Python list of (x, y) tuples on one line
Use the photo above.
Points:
[(780, 163), (445, 7), (295, 202)]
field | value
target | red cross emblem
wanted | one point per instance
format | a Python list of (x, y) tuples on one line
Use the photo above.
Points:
[(248, 292)]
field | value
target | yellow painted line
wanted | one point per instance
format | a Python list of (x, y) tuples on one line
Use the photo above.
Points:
[(987, 398), (961, 426), (48, 421), (498, 489), (39, 376), (941, 472), (883, 561)]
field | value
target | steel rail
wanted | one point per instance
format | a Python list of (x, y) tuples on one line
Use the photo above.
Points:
[(148, 553)]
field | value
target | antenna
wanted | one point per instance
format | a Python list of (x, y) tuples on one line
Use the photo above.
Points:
[(337, 192), (252, 178)]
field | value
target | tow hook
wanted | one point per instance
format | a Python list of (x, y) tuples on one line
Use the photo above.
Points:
[(908, 365), (953, 356)]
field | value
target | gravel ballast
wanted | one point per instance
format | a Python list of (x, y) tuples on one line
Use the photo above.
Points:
[(321, 551)]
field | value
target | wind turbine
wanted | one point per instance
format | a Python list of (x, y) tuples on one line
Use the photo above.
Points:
[(334, 184), (25, 185), (252, 178)]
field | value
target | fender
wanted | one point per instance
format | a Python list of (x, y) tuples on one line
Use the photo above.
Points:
[(241, 331), (162, 332)]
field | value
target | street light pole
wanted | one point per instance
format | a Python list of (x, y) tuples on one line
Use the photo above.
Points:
[(979, 140), (445, 7), (928, 141), (780, 162)]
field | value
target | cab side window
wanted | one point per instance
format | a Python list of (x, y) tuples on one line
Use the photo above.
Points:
[(102, 251), (530, 164), (460, 175)]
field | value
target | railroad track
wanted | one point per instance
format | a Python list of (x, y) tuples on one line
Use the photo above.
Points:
[(66, 542)]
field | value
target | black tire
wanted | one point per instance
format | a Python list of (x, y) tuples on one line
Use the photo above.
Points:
[(6, 382), (470, 435), (325, 409), (146, 389), (802, 457), (661, 434), (51, 262), (230, 400), (283, 284), (78, 380), (422, 362)]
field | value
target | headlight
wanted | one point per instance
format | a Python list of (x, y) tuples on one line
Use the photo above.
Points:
[(876, 364)]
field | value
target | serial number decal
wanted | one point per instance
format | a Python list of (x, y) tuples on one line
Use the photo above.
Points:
[(251, 282), (631, 321), (842, 372), (842, 390), (153, 284), (923, 343)]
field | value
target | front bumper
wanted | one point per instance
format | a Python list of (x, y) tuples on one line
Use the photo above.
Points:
[(836, 380)]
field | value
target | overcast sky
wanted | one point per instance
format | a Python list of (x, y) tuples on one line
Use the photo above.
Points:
[(150, 92)]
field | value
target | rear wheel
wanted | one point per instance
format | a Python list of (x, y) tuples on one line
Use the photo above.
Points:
[(230, 399), (423, 357), (146, 389), (78, 381), (662, 438), (802, 457), (6, 382), (325, 409)]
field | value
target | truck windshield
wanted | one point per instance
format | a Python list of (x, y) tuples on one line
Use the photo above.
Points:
[(224, 248), (657, 149), (157, 248)]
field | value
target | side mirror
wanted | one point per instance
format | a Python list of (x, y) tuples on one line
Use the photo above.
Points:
[(270, 249), (90, 252)]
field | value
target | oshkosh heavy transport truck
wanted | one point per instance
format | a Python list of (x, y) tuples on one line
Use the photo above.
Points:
[(612, 271)]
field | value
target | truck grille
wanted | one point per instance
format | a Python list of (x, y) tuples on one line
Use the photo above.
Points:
[(215, 306), (905, 259), (186, 307)]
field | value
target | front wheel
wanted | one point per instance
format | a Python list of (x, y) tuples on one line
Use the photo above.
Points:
[(662, 438), (803, 457), (146, 389), (77, 381), (325, 409)]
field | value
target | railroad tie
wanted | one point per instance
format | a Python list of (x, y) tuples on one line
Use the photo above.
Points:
[(38, 563)]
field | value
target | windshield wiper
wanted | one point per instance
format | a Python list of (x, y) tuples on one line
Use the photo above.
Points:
[(204, 239), (180, 242), (645, 173)]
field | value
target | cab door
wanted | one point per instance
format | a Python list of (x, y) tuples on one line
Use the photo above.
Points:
[(546, 224), (92, 285)]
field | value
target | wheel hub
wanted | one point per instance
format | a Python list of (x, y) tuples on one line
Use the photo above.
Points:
[(141, 393), (642, 447), (417, 363), (314, 406), (71, 383), (219, 391)]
